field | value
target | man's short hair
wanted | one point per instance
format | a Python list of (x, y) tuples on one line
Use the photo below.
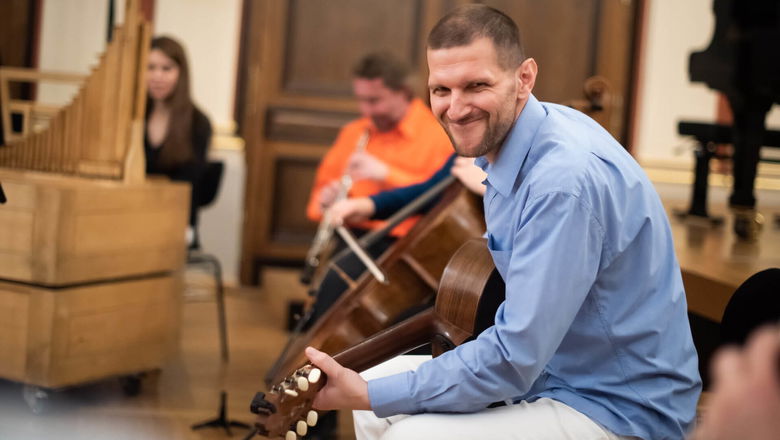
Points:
[(393, 72), (467, 23)]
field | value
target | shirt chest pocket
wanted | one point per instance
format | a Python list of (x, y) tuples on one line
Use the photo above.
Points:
[(501, 257)]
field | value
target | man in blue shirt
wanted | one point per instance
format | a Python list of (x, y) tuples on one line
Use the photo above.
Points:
[(593, 340)]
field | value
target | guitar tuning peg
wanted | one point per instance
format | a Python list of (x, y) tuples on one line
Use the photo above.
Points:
[(311, 418), (290, 436), (301, 428), (291, 393), (303, 384), (259, 404), (314, 375)]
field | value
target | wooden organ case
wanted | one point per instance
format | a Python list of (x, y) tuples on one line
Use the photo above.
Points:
[(91, 251)]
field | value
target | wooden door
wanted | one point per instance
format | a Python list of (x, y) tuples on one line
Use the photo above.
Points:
[(295, 94)]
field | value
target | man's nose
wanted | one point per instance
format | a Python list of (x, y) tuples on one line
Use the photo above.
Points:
[(459, 106)]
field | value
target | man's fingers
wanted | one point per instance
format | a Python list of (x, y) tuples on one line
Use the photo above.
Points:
[(324, 362)]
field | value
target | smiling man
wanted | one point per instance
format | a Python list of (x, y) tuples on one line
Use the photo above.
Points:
[(593, 340)]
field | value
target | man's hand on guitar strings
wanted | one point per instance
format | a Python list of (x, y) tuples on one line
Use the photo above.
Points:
[(345, 389)]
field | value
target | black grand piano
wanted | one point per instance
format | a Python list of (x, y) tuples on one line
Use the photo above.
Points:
[(743, 62)]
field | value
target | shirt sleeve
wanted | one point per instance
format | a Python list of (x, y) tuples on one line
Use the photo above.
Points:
[(553, 263), (386, 203)]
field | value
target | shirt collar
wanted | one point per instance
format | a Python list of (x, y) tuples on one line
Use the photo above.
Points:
[(502, 173)]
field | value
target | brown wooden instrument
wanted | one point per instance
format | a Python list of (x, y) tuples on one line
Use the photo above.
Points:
[(88, 246), (413, 266), (99, 134), (597, 101), (469, 294)]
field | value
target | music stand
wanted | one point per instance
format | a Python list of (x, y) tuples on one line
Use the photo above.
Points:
[(221, 421)]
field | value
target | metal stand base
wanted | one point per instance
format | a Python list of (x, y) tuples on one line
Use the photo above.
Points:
[(221, 421)]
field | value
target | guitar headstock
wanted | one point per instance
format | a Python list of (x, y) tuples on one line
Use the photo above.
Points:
[(285, 411)]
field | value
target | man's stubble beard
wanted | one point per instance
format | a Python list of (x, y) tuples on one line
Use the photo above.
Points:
[(491, 141)]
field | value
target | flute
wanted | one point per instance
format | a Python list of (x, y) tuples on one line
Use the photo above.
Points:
[(325, 229)]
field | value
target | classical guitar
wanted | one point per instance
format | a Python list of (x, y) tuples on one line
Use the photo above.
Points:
[(469, 293)]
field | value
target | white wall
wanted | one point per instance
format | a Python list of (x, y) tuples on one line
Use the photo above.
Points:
[(674, 29), (73, 35), (209, 31)]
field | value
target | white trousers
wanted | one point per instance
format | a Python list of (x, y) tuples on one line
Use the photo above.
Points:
[(544, 419)]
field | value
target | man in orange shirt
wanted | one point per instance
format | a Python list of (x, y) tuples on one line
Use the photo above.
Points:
[(406, 144)]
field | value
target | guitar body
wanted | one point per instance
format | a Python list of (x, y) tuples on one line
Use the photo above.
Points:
[(469, 294)]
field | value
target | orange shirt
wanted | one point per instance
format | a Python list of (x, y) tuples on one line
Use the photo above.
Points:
[(415, 149)]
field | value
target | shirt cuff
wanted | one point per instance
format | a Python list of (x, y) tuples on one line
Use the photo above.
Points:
[(390, 395)]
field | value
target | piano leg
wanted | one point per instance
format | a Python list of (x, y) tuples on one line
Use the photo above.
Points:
[(748, 135), (698, 208), (703, 154)]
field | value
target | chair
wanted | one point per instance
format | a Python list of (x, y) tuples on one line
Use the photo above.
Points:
[(755, 302), (204, 194)]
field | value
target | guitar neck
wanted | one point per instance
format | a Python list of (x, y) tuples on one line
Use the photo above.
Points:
[(396, 340)]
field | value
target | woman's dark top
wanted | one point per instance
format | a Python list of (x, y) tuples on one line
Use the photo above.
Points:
[(387, 203), (190, 171)]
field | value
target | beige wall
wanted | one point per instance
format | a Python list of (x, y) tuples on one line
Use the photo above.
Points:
[(73, 34), (209, 31), (674, 29)]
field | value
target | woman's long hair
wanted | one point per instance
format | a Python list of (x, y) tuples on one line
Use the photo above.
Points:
[(177, 146)]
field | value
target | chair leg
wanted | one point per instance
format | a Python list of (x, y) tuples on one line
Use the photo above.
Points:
[(221, 317), (221, 310)]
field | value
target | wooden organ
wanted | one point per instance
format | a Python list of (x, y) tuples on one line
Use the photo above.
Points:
[(91, 251)]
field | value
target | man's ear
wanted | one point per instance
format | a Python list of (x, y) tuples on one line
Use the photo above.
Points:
[(525, 75)]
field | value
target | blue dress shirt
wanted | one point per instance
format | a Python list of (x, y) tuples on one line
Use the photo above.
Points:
[(595, 313)]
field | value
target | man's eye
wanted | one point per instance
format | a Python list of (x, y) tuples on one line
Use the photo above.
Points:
[(440, 91)]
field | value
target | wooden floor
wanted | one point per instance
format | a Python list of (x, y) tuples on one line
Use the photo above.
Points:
[(187, 390)]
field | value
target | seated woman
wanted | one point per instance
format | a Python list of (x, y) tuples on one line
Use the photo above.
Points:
[(177, 133)]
